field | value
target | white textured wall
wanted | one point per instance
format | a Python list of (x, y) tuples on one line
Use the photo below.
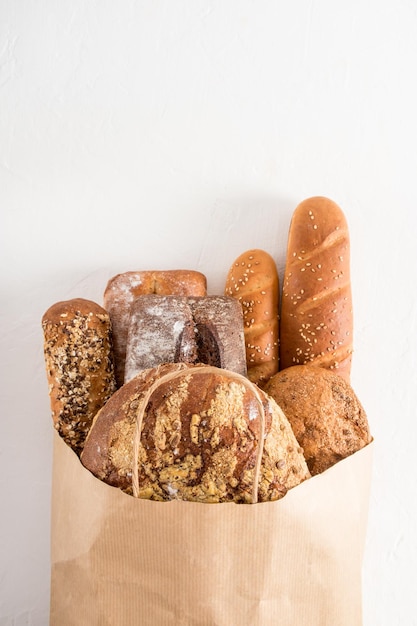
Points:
[(167, 134)]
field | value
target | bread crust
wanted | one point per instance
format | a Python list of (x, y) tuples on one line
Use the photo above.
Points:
[(174, 329), (200, 434), (122, 289), (326, 416), (253, 281), (316, 321), (79, 365)]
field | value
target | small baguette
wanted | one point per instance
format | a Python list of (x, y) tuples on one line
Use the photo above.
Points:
[(253, 281), (316, 322), (79, 366)]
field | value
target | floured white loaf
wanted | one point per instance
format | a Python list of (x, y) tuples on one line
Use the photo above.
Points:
[(161, 331), (123, 289), (174, 329)]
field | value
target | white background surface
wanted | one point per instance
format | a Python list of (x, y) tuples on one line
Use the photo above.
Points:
[(174, 134)]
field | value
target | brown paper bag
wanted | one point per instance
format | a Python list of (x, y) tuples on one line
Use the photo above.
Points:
[(121, 561)]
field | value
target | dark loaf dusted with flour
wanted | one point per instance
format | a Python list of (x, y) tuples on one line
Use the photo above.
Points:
[(123, 289), (175, 329)]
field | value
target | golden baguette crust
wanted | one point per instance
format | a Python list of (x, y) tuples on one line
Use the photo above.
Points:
[(326, 416), (122, 289), (201, 435), (79, 365), (316, 322), (253, 280)]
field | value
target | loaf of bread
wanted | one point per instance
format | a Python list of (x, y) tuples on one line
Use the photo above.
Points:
[(121, 291), (79, 365), (253, 281), (175, 329), (327, 418), (161, 330), (197, 433), (316, 322)]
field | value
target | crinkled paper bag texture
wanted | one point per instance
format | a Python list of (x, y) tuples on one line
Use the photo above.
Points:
[(125, 562)]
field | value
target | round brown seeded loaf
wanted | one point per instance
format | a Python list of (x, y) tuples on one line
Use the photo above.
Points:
[(196, 433), (327, 418)]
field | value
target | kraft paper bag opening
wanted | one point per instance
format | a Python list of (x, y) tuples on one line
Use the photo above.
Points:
[(120, 561)]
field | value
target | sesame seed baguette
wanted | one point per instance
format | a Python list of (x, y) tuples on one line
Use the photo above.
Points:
[(123, 289), (79, 366), (316, 321), (253, 280)]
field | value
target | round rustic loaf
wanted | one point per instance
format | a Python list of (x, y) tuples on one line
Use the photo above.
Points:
[(196, 433), (327, 418)]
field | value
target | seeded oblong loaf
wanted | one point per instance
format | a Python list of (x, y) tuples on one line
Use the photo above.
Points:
[(253, 281), (122, 289), (79, 365), (326, 416), (316, 322), (196, 433)]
